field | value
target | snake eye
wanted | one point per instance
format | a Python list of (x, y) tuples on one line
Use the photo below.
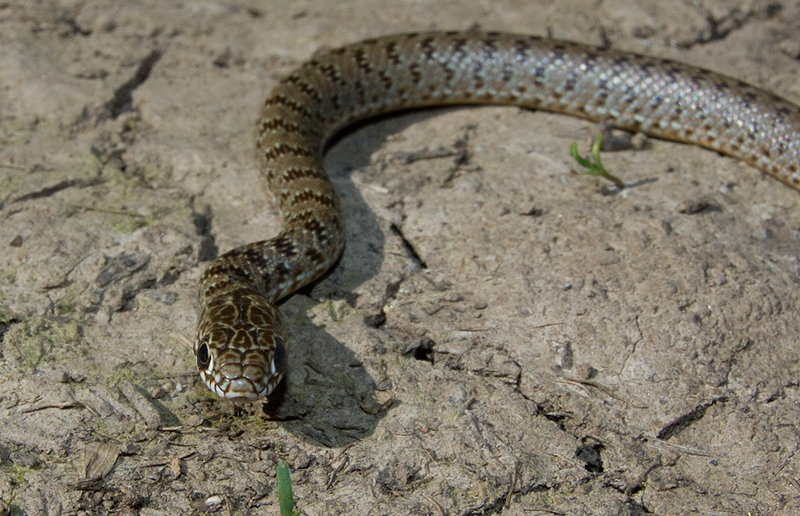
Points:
[(279, 358), (202, 355)]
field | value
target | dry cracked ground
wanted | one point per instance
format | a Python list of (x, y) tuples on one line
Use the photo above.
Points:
[(502, 335)]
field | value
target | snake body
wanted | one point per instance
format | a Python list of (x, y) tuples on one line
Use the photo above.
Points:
[(241, 338)]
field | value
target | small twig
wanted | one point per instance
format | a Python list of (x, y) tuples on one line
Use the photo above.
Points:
[(686, 449), (112, 211), (60, 406), (604, 390), (183, 339), (12, 167), (435, 504)]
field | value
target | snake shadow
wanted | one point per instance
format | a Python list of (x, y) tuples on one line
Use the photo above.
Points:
[(327, 396)]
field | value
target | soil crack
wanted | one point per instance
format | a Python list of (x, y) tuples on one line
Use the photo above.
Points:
[(409, 247), (123, 96)]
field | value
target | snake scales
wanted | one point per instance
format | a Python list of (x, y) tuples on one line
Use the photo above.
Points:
[(241, 338)]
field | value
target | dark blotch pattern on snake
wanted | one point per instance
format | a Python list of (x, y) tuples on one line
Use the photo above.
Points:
[(241, 344)]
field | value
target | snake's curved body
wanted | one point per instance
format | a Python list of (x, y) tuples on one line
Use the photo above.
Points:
[(241, 338)]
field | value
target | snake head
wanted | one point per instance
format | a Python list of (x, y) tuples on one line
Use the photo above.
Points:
[(240, 346)]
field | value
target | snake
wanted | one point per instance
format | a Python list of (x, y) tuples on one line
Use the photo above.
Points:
[(241, 343)]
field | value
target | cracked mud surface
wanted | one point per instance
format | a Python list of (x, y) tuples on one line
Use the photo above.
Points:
[(502, 336)]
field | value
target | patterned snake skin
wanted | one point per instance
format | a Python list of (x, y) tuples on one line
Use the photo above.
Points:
[(241, 337)]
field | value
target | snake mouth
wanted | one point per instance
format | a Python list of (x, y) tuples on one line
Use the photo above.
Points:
[(240, 387), (243, 389)]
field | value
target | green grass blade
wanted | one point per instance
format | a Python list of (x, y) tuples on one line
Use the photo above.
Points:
[(285, 494)]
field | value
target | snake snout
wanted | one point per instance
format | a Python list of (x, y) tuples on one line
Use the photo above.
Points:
[(246, 375), (242, 389)]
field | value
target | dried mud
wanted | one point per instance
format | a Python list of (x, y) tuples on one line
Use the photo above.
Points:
[(502, 335)]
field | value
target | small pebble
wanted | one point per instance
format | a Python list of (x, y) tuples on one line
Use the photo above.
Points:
[(585, 371), (213, 503)]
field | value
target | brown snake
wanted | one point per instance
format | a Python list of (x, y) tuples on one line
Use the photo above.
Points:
[(241, 337)]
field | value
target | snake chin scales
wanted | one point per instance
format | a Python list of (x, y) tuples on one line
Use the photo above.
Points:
[(240, 346)]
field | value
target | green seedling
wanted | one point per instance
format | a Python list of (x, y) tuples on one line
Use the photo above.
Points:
[(593, 166)]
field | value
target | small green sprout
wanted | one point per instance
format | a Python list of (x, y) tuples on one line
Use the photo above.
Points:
[(285, 495), (593, 166)]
